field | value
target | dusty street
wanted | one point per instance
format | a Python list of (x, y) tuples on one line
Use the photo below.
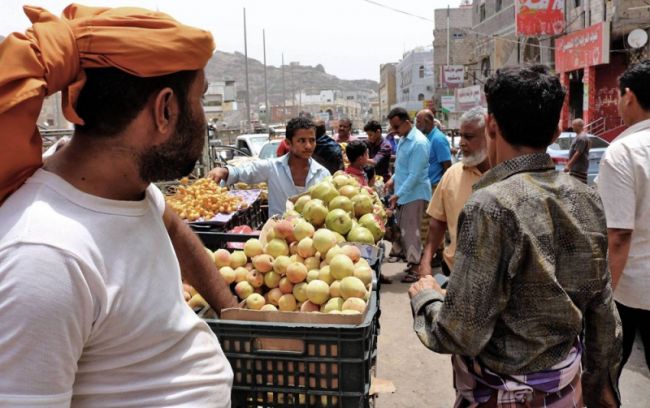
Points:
[(423, 378)]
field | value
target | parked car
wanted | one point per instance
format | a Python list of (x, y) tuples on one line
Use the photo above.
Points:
[(559, 152), (252, 143), (269, 149)]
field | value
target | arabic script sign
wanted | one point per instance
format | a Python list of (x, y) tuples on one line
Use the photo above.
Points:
[(469, 97), (452, 76), (539, 17), (582, 48)]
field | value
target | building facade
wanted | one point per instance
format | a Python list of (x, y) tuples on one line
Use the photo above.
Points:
[(453, 45), (387, 89), (415, 80)]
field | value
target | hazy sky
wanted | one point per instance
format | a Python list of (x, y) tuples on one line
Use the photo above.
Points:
[(350, 38)]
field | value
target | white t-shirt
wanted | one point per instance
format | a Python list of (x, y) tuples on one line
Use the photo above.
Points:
[(624, 186), (91, 306)]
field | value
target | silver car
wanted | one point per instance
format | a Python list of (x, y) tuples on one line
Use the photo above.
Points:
[(559, 152)]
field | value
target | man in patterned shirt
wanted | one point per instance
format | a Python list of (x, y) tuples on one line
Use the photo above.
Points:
[(529, 296)]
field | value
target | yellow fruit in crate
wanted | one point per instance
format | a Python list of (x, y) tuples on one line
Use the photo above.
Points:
[(237, 259), (197, 301), (318, 292), (253, 247), (221, 258), (287, 303), (352, 287), (255, 301), (354, 304)]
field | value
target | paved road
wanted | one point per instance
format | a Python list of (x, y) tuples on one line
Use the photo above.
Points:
[(423, 378)]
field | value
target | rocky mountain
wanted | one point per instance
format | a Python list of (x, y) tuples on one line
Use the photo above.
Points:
[(230, 66)]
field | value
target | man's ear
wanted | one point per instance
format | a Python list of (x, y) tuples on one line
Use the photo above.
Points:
[(491, 127), (630, 97), (165, 112)]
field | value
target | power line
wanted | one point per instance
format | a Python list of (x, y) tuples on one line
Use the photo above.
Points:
[(398, 11), (478, 33)]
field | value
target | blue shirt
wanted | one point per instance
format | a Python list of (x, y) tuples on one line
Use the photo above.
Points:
[(439, 153), (393, 143), (411, 168), (277, 174)]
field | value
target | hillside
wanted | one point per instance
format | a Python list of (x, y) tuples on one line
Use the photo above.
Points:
[(229, 66)]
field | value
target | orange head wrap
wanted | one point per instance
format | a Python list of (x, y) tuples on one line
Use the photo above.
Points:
[(52, 54)]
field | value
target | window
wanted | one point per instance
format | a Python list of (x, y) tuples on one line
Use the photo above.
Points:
[(420, 97), (421, 71), (485, 67), (499, 5), (481, 12)]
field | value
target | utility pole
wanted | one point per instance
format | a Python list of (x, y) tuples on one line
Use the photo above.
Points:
[(266, 86), (284, 95), (248, 95)]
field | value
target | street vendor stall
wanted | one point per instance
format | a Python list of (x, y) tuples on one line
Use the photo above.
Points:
[(305, 332)]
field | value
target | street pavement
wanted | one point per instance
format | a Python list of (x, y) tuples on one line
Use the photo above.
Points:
[(424, 379)]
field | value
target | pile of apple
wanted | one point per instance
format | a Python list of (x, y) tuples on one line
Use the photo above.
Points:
[(299, 269), (355, 213)]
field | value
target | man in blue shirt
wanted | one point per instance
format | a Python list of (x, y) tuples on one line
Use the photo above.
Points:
[(286, 176), (440, 153), (439, 162), (412, 189)]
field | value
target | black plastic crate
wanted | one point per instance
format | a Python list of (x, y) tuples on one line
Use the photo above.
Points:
[(254, 216), (300, 364)]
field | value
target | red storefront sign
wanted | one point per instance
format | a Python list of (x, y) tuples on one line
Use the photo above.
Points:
[(582, 48), (539, 17)]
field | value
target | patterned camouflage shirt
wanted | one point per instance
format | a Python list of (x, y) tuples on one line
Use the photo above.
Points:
[(530, 275)]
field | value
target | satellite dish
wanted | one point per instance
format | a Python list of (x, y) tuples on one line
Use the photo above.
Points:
[(637, 38)]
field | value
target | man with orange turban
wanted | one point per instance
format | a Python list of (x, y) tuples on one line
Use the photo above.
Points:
[(91, 306)]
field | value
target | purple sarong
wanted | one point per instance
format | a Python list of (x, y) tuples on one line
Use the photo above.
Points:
[(557, 387)]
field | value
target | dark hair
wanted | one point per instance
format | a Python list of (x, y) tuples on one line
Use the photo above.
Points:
[(637, 78), (296, 124), (355, 149), (400, 113), (320, 128), (526, 104), (372, 126), (111, 99), (346, 120)]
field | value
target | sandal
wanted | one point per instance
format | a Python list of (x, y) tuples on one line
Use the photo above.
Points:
[(393, 259), (410, 277)]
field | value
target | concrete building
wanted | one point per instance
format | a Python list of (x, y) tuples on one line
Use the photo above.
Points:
[(415, 80), (588, 67), (451, 63), (581, 53), (387, 89), (219, 98)]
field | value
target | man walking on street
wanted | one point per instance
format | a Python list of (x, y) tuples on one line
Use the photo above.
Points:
[(440, 154), (528, 313), (578, 164), (92, 312), (454, 189), (624, 186), (412, 190)]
